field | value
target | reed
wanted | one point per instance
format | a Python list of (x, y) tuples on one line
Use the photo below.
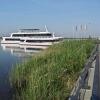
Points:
[(51, 74)]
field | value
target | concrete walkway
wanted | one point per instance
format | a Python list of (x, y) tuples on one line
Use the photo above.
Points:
[(87, 86), (96, 84)]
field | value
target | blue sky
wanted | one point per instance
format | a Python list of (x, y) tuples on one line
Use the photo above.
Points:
[(60, 16)]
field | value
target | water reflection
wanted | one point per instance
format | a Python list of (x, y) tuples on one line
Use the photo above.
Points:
[(21, 51), (9, 56)]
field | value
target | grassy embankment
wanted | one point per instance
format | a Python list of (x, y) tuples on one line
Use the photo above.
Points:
[(51, 74)]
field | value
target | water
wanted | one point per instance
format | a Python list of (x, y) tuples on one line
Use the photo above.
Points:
[(9, 56)]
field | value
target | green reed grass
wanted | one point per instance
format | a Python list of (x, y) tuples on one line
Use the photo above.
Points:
[(51, 74)]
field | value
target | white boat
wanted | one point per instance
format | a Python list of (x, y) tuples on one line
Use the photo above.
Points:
[(31, 37), (10, 40), (39, 41)]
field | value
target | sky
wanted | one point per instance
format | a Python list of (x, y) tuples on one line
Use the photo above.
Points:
[(60, 16)]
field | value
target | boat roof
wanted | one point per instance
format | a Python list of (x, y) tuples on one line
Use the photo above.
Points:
[(29, 30)]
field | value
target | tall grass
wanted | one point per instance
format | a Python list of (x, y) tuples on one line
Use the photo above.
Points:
[(51, 74)]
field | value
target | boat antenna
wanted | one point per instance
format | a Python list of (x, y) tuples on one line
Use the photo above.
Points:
[(46, 28), (53, 34)]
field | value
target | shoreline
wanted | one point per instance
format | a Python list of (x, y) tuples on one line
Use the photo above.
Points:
[(52, 73)]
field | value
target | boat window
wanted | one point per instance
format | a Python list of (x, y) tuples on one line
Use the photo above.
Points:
[(11, 39), (18, 35), (26, 35), (22, 40), (39, 41)]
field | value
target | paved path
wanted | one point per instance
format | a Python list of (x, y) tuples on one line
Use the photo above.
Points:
[(96, 83), (89, 88)]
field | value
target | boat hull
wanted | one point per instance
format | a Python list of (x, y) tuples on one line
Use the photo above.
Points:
[(10, 42), (36, 44)]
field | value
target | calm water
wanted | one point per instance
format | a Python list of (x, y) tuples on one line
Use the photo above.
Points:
[(9, 56)]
